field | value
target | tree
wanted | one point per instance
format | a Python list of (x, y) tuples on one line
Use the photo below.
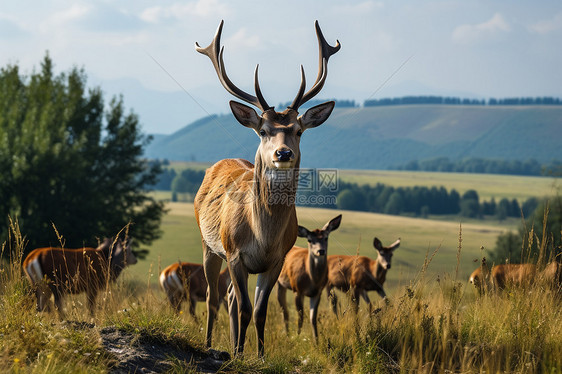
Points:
[(67, 162)]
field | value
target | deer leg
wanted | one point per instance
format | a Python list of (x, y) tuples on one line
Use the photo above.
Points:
[(355, 299), (299, 306), (265, 283), (331, 293), (58, 304), (282, 298), (239, 279), (365, 297), (212, 267), (192, 303), (233, 313), (314, 301)]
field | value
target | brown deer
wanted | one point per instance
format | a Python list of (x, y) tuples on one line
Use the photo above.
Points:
[(246, 213), (359, 274), (305, 272), (60, 271), (523, 275), (186, 281), (506, 275)]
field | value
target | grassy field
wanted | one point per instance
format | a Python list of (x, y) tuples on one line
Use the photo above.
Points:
[(430, 325), (487, 185), (181, 241)]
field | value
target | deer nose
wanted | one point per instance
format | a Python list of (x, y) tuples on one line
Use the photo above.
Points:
[(284, 154), (387, 266), (321, 252)]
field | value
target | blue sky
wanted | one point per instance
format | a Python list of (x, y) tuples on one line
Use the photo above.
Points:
[(145, 49)]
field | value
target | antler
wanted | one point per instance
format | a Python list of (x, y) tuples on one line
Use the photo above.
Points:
[(325, 52), (215, 52)]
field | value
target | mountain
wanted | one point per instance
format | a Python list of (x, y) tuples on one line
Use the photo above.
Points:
[(385, 137)]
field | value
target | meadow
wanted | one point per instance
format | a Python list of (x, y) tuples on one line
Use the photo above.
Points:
[(433, 323)]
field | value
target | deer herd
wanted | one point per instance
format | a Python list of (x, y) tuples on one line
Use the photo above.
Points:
[(247, 218)]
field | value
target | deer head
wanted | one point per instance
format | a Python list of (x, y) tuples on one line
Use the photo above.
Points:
[(279, 132), (385, 253), (318, 239)]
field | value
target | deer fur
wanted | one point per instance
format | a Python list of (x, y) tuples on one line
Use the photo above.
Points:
[(60, 271)]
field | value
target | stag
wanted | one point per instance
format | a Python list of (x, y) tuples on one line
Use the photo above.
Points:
[(305, 272), (61, 271), (184, 280), (359, 274), (246, 213)]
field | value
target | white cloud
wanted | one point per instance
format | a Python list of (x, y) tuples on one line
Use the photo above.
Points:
[(547, 26), (243, 39), (471, 33), (200, 8)]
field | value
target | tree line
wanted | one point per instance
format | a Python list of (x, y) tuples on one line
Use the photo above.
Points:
[(415, 100), (417, 201), (479, 165)]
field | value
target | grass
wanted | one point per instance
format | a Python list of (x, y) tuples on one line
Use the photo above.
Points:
[(182, 241), (433, 323), (487, 185)]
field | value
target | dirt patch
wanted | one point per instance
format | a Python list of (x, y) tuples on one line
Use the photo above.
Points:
[(138, 354)]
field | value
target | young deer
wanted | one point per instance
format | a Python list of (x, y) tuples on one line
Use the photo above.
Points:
[(184, 280), (75, 271), (246, 213), (305, 272), (359, 274)]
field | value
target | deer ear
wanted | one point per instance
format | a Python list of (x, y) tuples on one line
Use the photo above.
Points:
[(396, 244), (245, 115), (303, 232), (316, 115), (377, 244), (333, 224)]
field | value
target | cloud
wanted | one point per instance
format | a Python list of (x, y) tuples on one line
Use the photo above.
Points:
[(468, 33), (547, 26), (181, 11)]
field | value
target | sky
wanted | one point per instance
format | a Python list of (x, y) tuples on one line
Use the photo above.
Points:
[(145, 49)]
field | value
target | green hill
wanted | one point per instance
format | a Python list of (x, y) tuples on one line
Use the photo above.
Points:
[(384, 137)]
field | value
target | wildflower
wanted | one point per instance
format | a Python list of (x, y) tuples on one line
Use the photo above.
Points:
[(16, 360)]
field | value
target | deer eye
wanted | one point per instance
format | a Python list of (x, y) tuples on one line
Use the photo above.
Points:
[(299, 133), (262, 132)]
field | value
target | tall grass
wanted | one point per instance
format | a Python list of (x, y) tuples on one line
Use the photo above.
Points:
[(432, 324)]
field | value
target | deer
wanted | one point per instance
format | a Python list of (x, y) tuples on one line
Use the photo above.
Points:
[(305, 272), (61, 271), (186, 281), (246, 212), (359, 274), (524, 275)]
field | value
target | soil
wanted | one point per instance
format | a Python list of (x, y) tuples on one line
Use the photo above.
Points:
[(137, 354)]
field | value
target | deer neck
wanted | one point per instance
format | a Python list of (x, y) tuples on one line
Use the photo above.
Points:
[(379, 272), (274, 195), (317, 268)]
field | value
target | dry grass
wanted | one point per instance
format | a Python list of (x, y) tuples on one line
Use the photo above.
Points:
[(430, 325)]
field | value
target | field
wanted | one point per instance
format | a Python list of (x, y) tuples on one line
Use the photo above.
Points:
[(487, 185), (433, 321), (182, 241)]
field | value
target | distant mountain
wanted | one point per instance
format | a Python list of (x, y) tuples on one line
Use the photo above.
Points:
[(385, 137)]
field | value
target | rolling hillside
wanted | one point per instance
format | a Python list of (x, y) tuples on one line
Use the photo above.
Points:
[(383, 137)]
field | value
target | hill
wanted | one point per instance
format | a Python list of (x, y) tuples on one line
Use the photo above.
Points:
[(386, 137)]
